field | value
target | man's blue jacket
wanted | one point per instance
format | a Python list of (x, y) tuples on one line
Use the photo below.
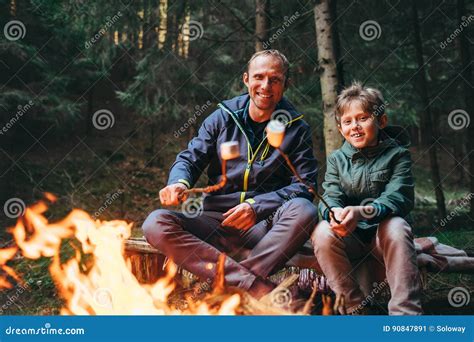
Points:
[(260, 175)]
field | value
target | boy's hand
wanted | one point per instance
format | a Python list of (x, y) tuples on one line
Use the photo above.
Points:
[(337, 213), (173, 194), (349, 216), (241, 216)]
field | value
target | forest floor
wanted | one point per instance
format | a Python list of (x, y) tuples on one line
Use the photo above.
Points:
[(85, 171)]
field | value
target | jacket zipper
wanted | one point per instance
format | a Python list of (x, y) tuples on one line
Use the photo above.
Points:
[(250, 154)]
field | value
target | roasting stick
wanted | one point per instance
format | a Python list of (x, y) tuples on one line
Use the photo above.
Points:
[(275, 135)]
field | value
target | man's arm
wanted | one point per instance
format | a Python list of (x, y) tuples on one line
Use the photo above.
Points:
[(191, 162), (304, 162)]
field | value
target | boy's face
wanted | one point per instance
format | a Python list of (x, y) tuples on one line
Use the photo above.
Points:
[(359, 128)]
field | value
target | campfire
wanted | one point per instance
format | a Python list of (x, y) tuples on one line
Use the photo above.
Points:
[(97, 280)]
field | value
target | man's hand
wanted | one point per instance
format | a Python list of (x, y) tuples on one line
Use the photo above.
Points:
[(241, 216), (173, 194)]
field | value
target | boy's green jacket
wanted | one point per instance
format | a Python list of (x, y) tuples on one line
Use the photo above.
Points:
[(380, 176)]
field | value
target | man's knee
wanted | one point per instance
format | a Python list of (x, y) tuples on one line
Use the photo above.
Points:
[(305, 212), (157, 225), (394, 228)]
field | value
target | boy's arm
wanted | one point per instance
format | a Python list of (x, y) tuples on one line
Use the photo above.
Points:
[(399, 195), (333, 194), (302, 158), (192, 161)]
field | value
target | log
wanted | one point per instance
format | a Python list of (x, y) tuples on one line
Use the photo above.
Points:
[(147, 263)]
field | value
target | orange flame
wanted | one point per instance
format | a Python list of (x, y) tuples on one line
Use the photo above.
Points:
[(106, 285)]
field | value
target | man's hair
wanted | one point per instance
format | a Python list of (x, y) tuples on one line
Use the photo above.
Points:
[(274, 53), (370, 99)]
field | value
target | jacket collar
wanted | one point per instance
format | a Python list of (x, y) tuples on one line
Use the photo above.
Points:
[(366, 152), (390, 136)]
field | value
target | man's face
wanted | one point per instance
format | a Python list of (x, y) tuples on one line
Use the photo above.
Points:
[(265, 81), (360, 128)]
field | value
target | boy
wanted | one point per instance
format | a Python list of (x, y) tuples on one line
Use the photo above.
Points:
[(369, 186)]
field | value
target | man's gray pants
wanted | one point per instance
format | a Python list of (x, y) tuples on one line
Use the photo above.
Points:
[(196, 243)]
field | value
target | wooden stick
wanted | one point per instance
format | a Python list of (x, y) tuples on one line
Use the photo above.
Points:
[(212, 188), (312, 189)]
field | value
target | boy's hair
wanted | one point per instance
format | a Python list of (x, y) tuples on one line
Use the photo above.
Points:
[(277, 54), (370, 99)]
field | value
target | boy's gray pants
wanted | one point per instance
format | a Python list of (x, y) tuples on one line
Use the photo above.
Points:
[(392, 247), (195, 243)]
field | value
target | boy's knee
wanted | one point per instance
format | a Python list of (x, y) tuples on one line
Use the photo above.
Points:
[(394, 229), (323, 236)]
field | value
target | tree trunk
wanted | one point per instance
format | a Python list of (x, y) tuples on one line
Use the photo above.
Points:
[(337, 46), (328, 74), (149, 23), (427, 131), (261, 24), (170, 21), (466, 67)]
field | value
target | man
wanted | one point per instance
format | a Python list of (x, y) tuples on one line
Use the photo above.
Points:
[(262, 210)]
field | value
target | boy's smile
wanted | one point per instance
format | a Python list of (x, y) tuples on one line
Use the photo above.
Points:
[(360, 128)]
